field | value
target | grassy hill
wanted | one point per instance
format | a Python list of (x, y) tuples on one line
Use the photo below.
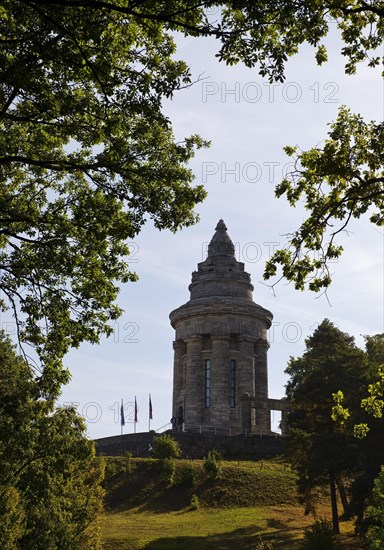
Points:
[(249, 505)]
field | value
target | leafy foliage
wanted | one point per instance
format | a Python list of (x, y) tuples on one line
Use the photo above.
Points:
[(12, 517), (164, 446), (362, 419), (263, 545), (168, 470), (375, 515), (212, 463), (320, 536), (187, 474), (341, 181), (195, 503), (50, 493), (256, 32), (374, 403), (88, 156)]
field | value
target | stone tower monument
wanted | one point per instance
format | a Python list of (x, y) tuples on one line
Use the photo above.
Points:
[(220, 363)]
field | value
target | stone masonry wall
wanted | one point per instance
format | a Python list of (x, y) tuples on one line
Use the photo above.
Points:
[(196, 445)]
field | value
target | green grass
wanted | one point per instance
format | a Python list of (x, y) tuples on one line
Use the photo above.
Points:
[(243, 483), (200, 529), (206, 529), (251, 484), (249, 500)]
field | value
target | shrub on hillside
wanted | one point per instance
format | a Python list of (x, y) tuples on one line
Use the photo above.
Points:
[(127, 462), (168, 468), (263, 545), (165, 446), (212, 463), (187, 475), (195, 503), (320, 536), (118, 465)]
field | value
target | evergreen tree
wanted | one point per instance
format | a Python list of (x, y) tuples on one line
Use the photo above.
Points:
[(362, 419), (319, 450), (375, 515)]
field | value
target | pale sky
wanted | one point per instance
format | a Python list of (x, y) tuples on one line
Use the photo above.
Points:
[(249, 123)]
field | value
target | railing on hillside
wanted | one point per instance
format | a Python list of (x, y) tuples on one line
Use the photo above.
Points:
[(170, 426), (260, 432), (198, 428), (204, 429), (164, 428), (214, 430)]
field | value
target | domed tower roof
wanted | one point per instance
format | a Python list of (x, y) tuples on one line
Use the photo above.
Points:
[(221, 243), (221, 283), (221, 274)]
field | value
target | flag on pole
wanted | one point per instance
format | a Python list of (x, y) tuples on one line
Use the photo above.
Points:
[(122, 417), (150, 408), (135, 409)]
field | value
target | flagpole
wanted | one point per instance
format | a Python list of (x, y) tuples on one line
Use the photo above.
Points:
[(149, 413), (122, 418), (135, 419)]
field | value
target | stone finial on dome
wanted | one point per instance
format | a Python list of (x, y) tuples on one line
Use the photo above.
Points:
[(221, 242), (221, 226)]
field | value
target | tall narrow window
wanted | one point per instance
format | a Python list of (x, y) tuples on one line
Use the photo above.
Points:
[(232, 383), (207, 383), (184, 374)]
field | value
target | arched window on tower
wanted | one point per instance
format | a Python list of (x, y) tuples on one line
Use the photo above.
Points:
[(232, 383), (207, 383)]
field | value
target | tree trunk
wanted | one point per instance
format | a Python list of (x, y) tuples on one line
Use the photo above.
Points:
[(335, 515), (343, 495)]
